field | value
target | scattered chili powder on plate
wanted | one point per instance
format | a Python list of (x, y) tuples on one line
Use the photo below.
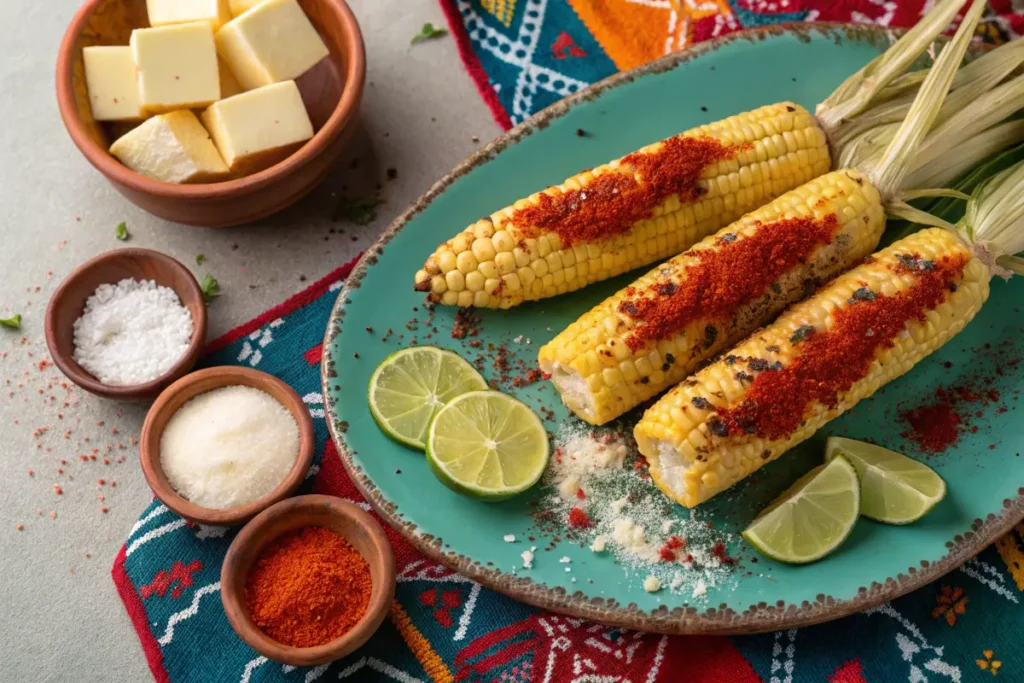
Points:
[(725, 278), (578, 519), (615, 200), (830, 362), (308, 587)]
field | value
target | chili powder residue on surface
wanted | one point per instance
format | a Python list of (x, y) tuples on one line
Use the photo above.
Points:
[(308, 587), (939, 424), (831, 362), (725, 278), (615, 200)]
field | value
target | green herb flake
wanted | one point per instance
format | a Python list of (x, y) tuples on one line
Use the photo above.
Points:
[(210, 287), (200, 259), (360, 210), (862, 294), (122, 231), (14, 322), (427, 32), (801, 333)]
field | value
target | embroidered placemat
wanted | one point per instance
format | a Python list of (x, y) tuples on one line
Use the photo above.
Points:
[(443, 627)]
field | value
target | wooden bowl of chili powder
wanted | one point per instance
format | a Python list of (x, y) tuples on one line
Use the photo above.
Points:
[(308, 580)]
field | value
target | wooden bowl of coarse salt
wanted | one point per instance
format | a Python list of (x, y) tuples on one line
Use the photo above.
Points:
[(222, 444), (126, 324)]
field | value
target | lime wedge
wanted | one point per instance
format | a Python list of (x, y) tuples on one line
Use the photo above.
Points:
[(894, 489), (812, 518), (410, 386), (487, 445)]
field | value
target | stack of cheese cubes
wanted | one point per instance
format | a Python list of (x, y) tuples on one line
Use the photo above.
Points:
[(233, 60)]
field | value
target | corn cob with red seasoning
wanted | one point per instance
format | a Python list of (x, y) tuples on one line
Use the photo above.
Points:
[(818, 360), (653, 203)]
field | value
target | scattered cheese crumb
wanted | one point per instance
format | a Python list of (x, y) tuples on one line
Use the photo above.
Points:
[(666, 526), (566, 560), (652, 584), (677, 581), (568, 569), (700, 589), (599, 544), (510, 538), (619, 504), (527, 556), (569, 486)]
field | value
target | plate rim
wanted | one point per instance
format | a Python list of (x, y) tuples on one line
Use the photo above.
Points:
[(688, 620)]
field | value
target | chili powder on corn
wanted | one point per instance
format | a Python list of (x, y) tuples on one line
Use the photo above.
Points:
[(308, 587), (615, 200), (831, 361), (732, 274)]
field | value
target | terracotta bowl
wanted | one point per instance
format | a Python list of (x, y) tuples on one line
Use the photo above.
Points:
[(200, 382), (343, 517), (68, 302), (331, 90)]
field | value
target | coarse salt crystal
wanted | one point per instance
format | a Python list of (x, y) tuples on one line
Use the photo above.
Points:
[(132, 332), (568, 569), (599, 544), (677, 581), (652, 584), (565, 560), (510, 538), (527, 556)]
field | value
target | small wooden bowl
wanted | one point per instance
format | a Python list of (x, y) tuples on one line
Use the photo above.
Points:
[(331, 91), (200, 382), (68, 302), (341, 516)]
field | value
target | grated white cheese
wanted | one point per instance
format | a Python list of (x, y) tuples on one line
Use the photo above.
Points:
[(565, 560), (701, 589), (132, 332), (598, 546), (510, 538), (527, 556), (652, 584), (677, 581), (228, 447), (618, 505)]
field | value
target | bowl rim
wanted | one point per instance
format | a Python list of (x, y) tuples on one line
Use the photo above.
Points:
[(82, 377), (354, 76), (233, 583), (228, 375)]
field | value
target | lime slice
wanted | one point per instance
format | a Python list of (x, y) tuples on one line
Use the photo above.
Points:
[(487, 445), (812, 518), (894, 489), (410, 386)]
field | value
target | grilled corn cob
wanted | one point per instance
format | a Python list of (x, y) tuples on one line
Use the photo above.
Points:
[(818, 360), (653, 203), (656, 332), (647, 206)]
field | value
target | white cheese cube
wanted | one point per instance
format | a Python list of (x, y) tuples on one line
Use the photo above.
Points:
[(258, 128), (272, 42), (164, 12), (242, 6), (174, 148), (110, 79), (177, 67)]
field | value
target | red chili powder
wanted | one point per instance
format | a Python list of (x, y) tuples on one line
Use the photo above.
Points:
[(933, 427), (726, 278), (578, 519), (614, 201), (831, 362)]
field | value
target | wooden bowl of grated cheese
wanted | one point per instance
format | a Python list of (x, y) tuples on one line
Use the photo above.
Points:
[(206, 382)]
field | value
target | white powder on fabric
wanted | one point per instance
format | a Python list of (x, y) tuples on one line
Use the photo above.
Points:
[(648, 535), (132, 332), (229, 446)]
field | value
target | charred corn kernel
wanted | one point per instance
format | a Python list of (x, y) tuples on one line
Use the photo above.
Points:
[(699, 303), (819, 359), (645, 207)]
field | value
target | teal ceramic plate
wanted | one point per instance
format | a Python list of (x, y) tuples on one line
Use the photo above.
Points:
[(619, 115)]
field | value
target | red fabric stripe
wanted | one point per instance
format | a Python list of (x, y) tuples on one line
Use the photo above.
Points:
[(303, 298), (850, 672), (314, 355), (706, 659), (472, 64), (137, 613)]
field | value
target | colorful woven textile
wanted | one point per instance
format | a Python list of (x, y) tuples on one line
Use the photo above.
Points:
[(527, 54), (443, 627)]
